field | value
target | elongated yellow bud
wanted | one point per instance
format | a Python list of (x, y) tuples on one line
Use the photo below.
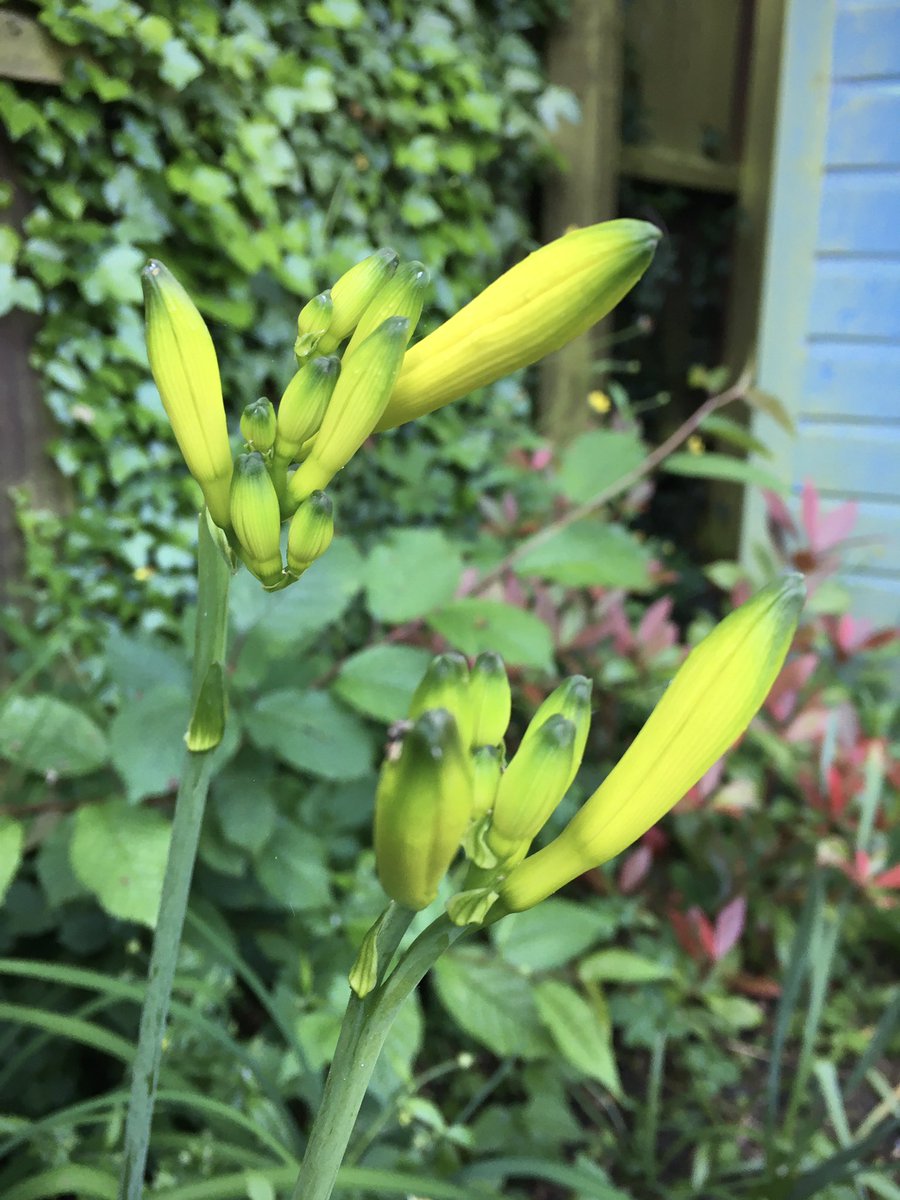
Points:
[(445, 684), (708, 704), (258, 425), (186, 370), (313, 321), (491, 700), (256, 517), (401, 296), (358, 401), (422, 810), (531, 787), (487, 769), (540, 304), (354, 292), (310, 532), (303, 405)]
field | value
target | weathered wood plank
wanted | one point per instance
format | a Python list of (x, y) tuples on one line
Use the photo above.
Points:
[(864, 123), (860, 212), (850, 459), (875, 597), (855, 297), (867, 40), (845, 378)]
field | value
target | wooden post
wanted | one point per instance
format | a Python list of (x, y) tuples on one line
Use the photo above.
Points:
[(25, 53), (584, 55)]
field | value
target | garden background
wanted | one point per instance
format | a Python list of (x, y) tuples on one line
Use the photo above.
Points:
[(714, 1014)]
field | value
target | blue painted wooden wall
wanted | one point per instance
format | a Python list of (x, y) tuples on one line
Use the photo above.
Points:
[(830, 326)]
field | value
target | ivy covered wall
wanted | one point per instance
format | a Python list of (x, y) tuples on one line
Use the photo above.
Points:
[(258, 149)]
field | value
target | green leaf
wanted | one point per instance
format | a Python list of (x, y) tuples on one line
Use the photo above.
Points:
[(12, 839), (472, 625), (491, 1002), (43, 734), (412, 573), (380, 680), (147, 741), (119, 853), (622, 966), (723, 466), (310, 731), (590, 553), (582, 1035), (595, 460), (292, 868), (337, 14), (550, 934), (179, 65), (243, 804)]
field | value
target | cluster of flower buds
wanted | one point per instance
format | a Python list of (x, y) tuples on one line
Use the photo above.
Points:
[(355, 376), (445, 783)]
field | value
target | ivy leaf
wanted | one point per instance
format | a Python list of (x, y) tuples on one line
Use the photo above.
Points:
[(337, 14), (490, 1002), (12, 840), (119, 853), (472, 625), (43, 734), (380, 680), (308, 730), (411, 574), (179, 66)]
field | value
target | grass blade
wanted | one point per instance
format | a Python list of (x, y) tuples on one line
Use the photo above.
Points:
[(87, 1183)]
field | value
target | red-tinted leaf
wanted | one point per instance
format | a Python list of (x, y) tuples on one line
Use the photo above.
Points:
[(889, 878), (635, 869), (729, 927)]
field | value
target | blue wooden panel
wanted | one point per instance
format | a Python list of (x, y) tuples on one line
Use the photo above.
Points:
[(876, 537), (864, 124), (860, 212), (874, 597), (853, 460), (855, 297), (852, 378), (867, 40)]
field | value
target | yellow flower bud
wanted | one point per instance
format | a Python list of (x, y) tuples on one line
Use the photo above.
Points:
[(401, 296), (303, 405), (422, 810), (313, 321), (310, 532), (362, 391), (709, 703), (184, 365), (256, 517), (572, 699), (445, 684), (487, 769), (543, 302), (531, 787), (491, 700), (354, 292), (258, 425)]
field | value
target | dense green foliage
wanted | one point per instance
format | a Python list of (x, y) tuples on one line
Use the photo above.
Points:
[(258, 149)]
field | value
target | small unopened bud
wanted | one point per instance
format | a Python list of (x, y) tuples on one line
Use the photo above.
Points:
[(303, 406), (487, 770), (422, 810), (310, 532), (256, 517), (186, 371), (258, 425), (362, 391), (491, 700), (401, 296), (354, 292), (445, 684), (572, 699), (313, 321), (531, 787)]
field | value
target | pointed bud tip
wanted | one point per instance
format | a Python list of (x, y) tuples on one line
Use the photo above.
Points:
[(490, 663), (250, 465), (321, 502), (558, 731)]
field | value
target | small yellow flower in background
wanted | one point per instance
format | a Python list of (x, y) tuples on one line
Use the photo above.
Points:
[(186, 370), (695, 444), (142, 574), (708, 705), (599, 401)]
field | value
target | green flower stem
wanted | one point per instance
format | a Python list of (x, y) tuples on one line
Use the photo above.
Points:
[(213, 577), (366, 1025)]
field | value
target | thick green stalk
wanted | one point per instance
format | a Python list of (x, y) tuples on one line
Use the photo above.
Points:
[(366, 1025), (213, 576)]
